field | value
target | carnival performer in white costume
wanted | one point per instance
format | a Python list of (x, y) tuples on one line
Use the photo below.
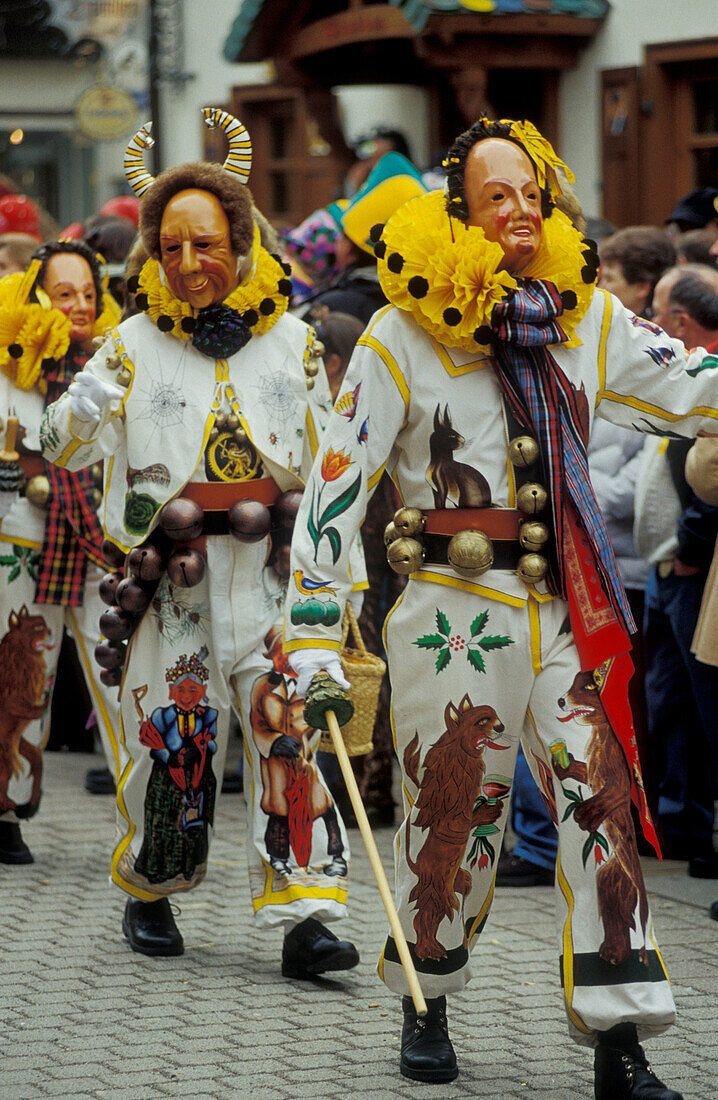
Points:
[(477, 387), (50, 538), (214, 397)]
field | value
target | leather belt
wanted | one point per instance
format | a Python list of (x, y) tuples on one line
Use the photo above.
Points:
[(219, 496), (496, 523), (506, 551)]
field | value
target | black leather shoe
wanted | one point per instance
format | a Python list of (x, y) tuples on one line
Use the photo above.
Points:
[(426, 1050), (621, 1071), (515, 871), (99, 781), (713, 911), (311, 949), (13, 848), (150, 928), (703, 866)]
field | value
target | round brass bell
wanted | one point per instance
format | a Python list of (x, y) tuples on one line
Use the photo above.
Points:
[(409, 521), (532, 568), (185, 568), (470, 553), (405, 555), (145, 563), (37, 490), (113, 361), (213, 433), (124, 377), (318, 348), (533, 534), (241, 436), (96, 472), (310, 383), (523, 451), (220, 420), (181, 519), (532, 498), (96, 499), (232, 422), (97, 342), (311, 368), (391, 534)]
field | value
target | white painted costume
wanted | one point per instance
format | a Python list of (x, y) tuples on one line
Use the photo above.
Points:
[(161, 442), (477, 665)]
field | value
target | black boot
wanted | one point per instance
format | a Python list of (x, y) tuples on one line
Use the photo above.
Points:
[(99, 781), (621, 1071), (276, 837), (426, 1050), (311, 949), (150, 927), (13, 848)]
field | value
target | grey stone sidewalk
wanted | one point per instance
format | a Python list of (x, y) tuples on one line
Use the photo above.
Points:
[(81, 1016)]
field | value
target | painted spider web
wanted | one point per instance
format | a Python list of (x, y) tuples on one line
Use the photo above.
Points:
[(163, 402), (277, 396)]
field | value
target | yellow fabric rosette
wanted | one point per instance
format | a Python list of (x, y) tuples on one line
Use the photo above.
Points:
[(454, 267), (542, 153)]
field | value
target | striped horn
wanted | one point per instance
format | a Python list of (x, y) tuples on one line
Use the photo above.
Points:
[(239, 158), (138, 177)]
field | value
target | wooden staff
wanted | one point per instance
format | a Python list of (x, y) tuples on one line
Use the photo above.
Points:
[(376, 865)]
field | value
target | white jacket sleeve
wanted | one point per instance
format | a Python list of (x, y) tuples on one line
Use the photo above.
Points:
[(353, 452)]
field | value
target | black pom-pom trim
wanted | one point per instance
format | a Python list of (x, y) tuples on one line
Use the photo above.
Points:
[(395, 262), (267, 307), (418, 286), (188, 324), (165, 323), (375, 232), (142, 301), (15, 351), (588, 274), (284, 286), (286, 268), (250, 317), (483, 335), (133, 283), (380, 250), (569, 299), (452, 316)]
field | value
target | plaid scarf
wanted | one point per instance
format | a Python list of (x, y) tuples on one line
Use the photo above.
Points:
[(545, 402), (72, 531), (585, 572)]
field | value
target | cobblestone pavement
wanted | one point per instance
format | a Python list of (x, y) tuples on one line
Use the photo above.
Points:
[(82, 1016)]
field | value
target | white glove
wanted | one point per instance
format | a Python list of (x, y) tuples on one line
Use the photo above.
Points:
[(6, 502), (89, 397), (307, 662)]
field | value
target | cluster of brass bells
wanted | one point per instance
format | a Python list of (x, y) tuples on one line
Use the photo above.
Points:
[(311, 364), (37, 489), (113, 362), (531, 498), (229, 422), (404, 551)]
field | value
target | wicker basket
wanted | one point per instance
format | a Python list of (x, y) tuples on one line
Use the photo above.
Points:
[(364, 672)]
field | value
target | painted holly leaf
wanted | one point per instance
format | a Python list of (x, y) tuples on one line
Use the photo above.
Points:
[(443, 659), (14, 573), (479, 623), (442, 623), (495, 641), (340, 503), (431, 641), (8, 559), (476, 660)]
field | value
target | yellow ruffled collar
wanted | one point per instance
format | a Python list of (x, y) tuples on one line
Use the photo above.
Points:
[(259, 301), (444, 273), (32, 332)]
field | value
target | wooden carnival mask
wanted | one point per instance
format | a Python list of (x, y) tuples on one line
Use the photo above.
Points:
[(504, 198)]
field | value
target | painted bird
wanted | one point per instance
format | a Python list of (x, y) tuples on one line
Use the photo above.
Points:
[(311, 588)]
